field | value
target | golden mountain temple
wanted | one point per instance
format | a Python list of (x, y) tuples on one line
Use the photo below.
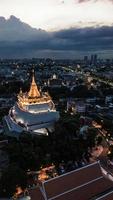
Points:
[(33, 111)]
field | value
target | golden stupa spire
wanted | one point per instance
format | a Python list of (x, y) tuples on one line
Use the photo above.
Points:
[(20, 93), (33, 92)]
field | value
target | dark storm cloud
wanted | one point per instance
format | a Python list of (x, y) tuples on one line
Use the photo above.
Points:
[(85, 39), (30, 42), (77, 39), (76, 34)]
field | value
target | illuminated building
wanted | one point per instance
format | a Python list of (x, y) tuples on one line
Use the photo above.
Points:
[(33, 112)]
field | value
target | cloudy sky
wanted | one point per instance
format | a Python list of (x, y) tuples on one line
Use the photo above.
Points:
[(57, 14), (56, 28)]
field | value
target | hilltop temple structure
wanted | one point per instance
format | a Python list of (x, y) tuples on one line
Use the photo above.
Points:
[(33, 112)]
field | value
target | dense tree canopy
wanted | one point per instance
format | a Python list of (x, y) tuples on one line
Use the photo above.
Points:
[(12, 177)]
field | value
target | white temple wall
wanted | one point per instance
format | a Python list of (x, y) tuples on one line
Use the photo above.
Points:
[(37, 108)]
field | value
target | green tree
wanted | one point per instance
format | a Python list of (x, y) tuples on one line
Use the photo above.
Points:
[(12, 177)]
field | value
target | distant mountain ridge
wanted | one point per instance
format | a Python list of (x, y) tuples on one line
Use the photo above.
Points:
[(13, 29)]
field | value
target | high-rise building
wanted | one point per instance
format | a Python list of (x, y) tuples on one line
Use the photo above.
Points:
[(93, 58), (85, 59)]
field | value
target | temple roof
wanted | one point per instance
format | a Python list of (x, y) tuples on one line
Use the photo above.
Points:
[(33, 92), (85, 183)]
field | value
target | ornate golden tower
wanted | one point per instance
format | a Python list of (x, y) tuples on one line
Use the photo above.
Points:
[(33, 96), (33, 92)]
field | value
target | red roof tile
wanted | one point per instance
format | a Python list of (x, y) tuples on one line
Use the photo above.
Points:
[(86, 192), (83, 184), (36, 194), (108, 196)]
